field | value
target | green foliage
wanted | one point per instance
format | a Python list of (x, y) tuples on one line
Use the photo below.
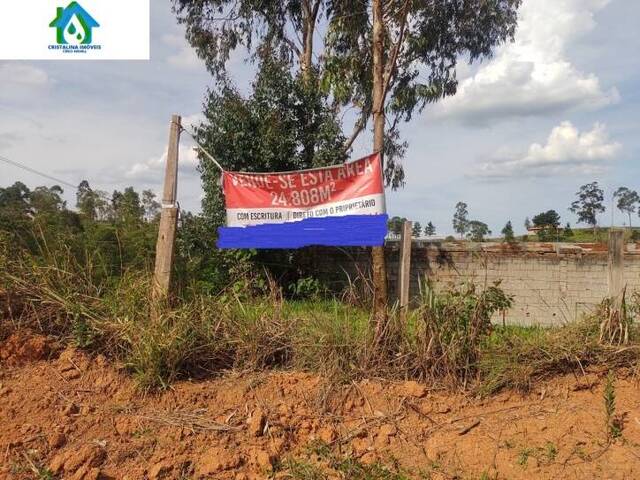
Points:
[(307, 287), (430, 230), (518, 357), (329, 464), (568, 232), (461, 222), (416, 230), (452, 325), (507, 232), (395, 225), (550, 218), (283, 125), (613, 421), (627, 201), (422, 69), (589, 204), (477, 231), (547, 224)]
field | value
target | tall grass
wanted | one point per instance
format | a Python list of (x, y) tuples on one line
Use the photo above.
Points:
[(448, 339), (450, 328)]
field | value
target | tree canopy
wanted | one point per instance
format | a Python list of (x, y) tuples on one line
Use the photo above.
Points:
[(507, 232), (589, 204), (282, 125), (423, 43), (627, 201), (416, 230), (430, 230), (478, 231), (548, 219), (461, 219)]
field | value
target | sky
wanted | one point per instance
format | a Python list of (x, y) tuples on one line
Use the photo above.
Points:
[(557, 108)]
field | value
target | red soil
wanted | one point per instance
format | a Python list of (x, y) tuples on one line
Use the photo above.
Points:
[(82, 418)]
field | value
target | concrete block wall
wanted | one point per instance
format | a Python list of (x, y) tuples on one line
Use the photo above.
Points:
[(551, 283)]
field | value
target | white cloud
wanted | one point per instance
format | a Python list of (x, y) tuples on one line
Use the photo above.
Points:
[(20, 80), (22, 74), (567, 152), (533, 75), (184, 56), (153, 169), (191, 121)]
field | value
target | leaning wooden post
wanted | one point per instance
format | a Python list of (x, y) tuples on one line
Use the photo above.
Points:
[(168, 217), (404, 272)]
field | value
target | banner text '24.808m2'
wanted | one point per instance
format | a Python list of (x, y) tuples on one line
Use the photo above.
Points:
[(337, 206)]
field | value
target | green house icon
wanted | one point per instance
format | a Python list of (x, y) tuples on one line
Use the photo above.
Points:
[(74, 25)]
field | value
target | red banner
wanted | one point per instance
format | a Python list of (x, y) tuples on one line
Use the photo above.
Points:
[(350, 189)]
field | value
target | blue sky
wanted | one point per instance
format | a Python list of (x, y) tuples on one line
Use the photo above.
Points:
[(554, 110)]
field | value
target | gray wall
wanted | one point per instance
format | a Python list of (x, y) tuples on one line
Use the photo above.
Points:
[(551, 283)]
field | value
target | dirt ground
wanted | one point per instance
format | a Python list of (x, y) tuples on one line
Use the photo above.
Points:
[(66, 415)]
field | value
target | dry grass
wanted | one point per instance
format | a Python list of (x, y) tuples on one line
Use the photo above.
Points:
[(448, 339)]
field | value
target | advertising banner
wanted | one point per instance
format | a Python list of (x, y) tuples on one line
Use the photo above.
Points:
[(341, 205)]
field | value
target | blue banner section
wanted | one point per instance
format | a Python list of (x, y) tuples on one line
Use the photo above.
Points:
[(347, 231)]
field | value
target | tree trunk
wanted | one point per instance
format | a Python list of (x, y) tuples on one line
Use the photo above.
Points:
[(310, 15), (310, 12), (377, 253)]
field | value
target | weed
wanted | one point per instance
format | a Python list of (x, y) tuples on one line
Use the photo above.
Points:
[(328, 464), (518, 357), (452, 324), (616, 319), (612, 420), (523, 456), (551, 452), (40, 472)]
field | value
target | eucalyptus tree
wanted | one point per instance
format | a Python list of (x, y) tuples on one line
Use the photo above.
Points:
[(461, 219), (589, 204), (507, 232), (627, 201), (383, 59)]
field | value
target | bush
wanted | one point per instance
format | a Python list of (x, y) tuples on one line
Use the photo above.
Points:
[(451, 327)]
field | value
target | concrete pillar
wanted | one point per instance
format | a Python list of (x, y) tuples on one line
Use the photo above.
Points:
[(616, 264)]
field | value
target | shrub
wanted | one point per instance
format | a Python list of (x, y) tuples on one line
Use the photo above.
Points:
[(451, 326)]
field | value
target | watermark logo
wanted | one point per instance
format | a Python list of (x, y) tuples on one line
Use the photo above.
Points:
[(74, 29)]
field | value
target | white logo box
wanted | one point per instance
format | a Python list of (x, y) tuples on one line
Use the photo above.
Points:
[(123, 33)]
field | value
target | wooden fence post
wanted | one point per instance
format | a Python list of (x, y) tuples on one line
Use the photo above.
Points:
[(404, 272), (168, 217)]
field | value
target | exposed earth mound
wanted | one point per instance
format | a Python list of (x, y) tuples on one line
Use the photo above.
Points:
[(78, 417)]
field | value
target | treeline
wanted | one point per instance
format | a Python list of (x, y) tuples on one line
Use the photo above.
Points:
[(547, 225), (112, 235), (395, 228), (112, 232)]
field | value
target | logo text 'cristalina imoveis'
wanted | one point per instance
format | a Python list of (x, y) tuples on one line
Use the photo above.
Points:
[(74, 29)]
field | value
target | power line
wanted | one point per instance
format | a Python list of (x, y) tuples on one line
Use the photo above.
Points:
[(36, 172)]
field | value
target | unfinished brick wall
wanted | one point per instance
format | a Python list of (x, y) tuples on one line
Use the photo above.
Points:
[(551, 284)]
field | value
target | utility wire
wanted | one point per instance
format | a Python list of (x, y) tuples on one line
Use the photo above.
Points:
[(29, 169)]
